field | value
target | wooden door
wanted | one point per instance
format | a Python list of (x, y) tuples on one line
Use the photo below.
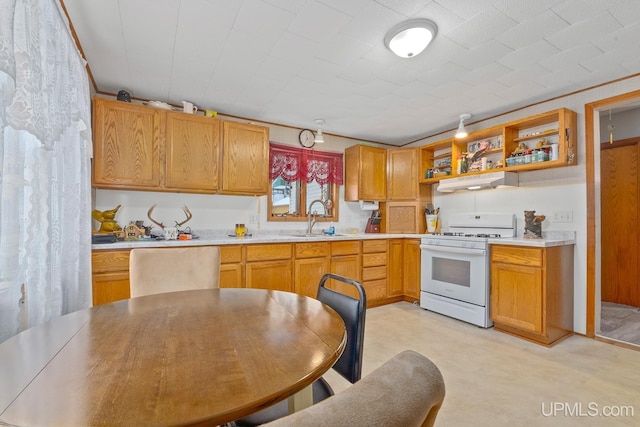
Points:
[(516, 296), (245, 159), (192, 150), (403, 174), (411, 264), (127, 145), (307, 275), (396, 267), (272, 275), (620, 224)]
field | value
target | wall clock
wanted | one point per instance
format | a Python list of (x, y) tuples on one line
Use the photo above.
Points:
[(307, 138)]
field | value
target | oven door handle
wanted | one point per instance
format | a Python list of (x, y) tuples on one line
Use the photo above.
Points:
[(454, 250)]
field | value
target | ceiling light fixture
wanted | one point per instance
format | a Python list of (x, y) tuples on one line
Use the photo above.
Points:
[(319, 139), (462, 132), (409, 38)]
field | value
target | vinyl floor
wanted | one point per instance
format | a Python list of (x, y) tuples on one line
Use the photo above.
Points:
[(494, 379)]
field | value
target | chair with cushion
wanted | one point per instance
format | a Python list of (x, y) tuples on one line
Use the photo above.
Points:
[(349, 365), (407, 390), (159, 270)]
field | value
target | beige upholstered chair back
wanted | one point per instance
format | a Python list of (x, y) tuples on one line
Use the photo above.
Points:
[(406, 391), (159, 270)]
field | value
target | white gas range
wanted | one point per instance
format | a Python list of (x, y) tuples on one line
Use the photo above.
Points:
[(455, 266)]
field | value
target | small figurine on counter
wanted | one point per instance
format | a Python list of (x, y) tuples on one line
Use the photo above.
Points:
[(533, 225), (107, 220)]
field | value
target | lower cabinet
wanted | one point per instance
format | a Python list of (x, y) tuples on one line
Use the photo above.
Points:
[(269, 266), (532, 291), (389, 269), (311, 263), (374, 269), (110, 281), (231, 266), (411, 269), (345, 261)]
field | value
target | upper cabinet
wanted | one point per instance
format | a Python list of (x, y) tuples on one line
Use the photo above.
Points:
[(402, 173), (191, 151), (245, 159), (127, 142), (546, 140), (365, 173), (144, 148)]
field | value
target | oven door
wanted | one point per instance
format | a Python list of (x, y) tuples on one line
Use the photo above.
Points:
[(458, 273)]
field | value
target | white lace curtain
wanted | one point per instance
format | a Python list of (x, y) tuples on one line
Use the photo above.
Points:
[(45, 143)]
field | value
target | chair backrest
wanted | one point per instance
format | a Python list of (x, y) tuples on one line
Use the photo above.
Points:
[(159, 270), (407, 390), (353, 312)]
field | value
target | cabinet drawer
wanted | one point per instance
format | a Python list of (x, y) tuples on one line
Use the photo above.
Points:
[(375, 289), (369, 246), (230, 254), (347, 247), (268, 252), (108, 261), (516, 255), (371, 260), (372, 273), (312, 250)]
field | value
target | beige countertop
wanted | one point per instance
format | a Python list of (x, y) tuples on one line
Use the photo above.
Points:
[(551, 238), (220, 238)]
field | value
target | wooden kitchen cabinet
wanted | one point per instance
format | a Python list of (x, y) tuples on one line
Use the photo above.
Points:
[(311, 263), (404, 269), (345, 261), (127, 139), (532, 291), (365, 173), (411, 269), (396, 262), (145, 148), (374, 269), (192, 153), (245, 159), (231, 266), (269, 266), (110, 280), (402, 174)]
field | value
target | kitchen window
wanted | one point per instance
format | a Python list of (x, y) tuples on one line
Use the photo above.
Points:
[(298, 178)]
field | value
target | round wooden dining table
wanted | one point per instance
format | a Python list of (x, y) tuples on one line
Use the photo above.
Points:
[(201, 357)]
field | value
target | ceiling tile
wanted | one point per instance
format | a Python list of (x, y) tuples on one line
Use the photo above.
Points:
[(482, 27)]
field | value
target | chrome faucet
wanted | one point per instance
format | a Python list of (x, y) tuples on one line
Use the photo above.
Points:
[(312, 215)]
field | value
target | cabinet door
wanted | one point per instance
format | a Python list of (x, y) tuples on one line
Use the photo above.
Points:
[(245, 159), (307, 275), (109, 287), (516, 296), (347, 266), (396, 262), (402, 174), (231, 275), (411, 268), (127, 145), (365, 173), (272, 275), (192, 147)]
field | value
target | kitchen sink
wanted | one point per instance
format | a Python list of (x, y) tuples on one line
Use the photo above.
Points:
[(316, 236)]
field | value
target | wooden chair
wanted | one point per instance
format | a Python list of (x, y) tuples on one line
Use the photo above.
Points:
[(159, 270), (349, 365), (408, 391)]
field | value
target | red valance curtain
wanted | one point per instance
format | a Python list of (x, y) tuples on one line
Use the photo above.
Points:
[(293, 163)]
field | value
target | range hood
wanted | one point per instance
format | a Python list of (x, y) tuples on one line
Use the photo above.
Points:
[(476, 182)]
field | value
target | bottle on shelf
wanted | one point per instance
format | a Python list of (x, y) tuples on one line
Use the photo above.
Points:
[(459, 165)]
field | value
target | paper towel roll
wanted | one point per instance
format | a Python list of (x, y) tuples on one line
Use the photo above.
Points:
[(368, 206)]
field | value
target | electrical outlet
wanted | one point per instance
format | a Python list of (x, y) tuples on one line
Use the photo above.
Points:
[(253, 219), (563, 216)]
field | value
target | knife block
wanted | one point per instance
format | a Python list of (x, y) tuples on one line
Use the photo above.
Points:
[(372, 228)]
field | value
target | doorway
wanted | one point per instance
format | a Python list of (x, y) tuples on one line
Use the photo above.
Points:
[(612, 237)]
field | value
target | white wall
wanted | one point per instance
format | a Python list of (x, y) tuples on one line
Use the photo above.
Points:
[(546, 191)]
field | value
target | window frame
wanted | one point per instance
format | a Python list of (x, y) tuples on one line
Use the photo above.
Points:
[(334, 195)]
